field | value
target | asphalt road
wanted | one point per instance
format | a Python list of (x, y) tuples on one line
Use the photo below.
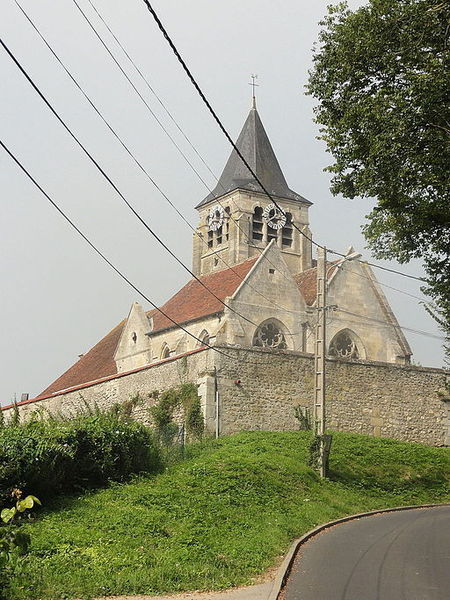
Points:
[(394, 556)]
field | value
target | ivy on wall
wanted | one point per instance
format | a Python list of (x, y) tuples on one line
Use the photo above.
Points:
[(183, 398)]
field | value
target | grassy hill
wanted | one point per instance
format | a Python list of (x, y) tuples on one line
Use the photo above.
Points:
[(219, 518)]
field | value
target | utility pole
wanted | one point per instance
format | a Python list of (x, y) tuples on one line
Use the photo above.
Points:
[(320, 351), (319, 358), (217, 405)]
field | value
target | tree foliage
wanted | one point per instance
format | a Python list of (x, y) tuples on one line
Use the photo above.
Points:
[(381, 75)]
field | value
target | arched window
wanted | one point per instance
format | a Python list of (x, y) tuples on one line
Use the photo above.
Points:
[(270, 335), (286, 234), (165, 351), (204, 337), (257, 224), (227, 222), (345, 345), (219, 235)]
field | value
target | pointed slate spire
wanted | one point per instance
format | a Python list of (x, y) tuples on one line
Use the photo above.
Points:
[(256, 148)]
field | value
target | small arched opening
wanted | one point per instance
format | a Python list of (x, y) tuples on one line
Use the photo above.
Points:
[(204, 338), (165, 351), (271, 334), (257, 224), (346, 344)]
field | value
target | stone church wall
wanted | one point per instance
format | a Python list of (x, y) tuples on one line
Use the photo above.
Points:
[(143, 381), (258, 389), (403, 402)]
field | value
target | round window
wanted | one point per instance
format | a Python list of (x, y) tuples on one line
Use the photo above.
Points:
[(269, 335), (343, 346)]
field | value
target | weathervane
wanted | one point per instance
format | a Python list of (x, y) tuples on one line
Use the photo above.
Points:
[(253, 84)]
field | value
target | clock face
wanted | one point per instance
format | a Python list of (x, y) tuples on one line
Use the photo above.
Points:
[(215, 217), (274, 217)]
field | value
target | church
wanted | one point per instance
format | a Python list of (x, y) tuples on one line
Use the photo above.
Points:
[(254, 284)]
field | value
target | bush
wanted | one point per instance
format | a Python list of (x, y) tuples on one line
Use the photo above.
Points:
[(184, 399), (49, 456)]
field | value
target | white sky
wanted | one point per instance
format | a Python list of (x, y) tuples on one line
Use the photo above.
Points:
[(57, 298)]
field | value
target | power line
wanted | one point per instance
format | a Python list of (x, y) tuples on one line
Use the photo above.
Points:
[(390, 287), (139, 164), (418, 331), (109, 263), (415, 331), (389, 270), (225, 132), (152, 90), (124, 73), (102, 256), (138, 290), (216, 118), (108, 125), (106, 176), (259, 250)]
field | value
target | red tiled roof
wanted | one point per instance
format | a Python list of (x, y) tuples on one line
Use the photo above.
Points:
[(97, 363), (194, 301), (191, 302), (307, 282)]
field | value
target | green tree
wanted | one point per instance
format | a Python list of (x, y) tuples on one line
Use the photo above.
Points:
[(381, 75)]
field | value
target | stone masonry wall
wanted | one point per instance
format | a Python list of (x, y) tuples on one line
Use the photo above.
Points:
[(164, 375), (258, 389), (403, 402)]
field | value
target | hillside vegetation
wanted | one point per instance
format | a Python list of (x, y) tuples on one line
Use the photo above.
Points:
[(219, 518)]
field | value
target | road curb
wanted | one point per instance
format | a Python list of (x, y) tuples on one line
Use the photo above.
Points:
[(286, 566)]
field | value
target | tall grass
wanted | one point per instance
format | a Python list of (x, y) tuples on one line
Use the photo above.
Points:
[(219, 518)]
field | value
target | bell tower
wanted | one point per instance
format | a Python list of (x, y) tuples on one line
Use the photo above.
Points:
[(238, 220)]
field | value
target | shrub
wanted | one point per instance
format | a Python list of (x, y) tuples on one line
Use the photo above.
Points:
[(13, 542), (48, 456), (184, 399)]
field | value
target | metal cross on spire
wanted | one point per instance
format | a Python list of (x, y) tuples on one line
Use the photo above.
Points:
[(254, 85)]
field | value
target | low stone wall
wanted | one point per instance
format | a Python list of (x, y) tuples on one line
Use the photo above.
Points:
[(112, 390), (259, 389)]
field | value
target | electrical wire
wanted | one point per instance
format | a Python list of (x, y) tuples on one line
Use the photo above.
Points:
[(136, 161), (102, 117), (152, 90), (389, 270), (138, 290), (103, 256), (225, 132), (390, 287), (86, 18), (216, 118), (168, 249), (418, 331), (109, 180), (124, 73)]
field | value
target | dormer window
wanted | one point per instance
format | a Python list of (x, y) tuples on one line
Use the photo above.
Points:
[(204, 338)]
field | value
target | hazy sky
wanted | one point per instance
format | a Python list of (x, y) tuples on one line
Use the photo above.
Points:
[(57, 297)]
